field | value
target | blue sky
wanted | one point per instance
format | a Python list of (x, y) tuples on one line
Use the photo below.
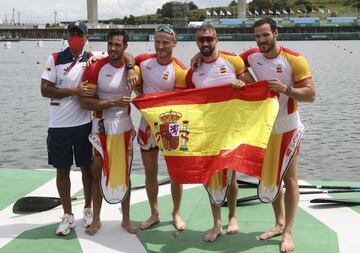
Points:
[(42, 11)]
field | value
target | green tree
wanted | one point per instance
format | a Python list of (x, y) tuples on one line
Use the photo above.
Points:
[(233, 3), (192, 6), (166, 10)]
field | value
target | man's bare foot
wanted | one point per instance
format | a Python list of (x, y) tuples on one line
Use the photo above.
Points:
[(233, 226), (275, 231), (287, 244), (178, 222), (149, 222), (93, 228), (129, 227), (212, 234)]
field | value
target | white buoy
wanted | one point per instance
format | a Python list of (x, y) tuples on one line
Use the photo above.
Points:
[(39, 43), (7, 44)]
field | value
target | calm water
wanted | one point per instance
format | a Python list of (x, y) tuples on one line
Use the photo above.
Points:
[(330, 148)]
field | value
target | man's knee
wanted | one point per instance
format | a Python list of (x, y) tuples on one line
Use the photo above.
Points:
[(62, 172), (290, 182)]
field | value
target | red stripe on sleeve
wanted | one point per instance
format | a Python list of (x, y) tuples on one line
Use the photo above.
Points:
[(142, 57), (246, 54), (55, 57), (189, 82)]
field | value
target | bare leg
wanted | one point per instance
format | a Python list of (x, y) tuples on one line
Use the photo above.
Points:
[(63, 185), (176, 193), (97, 197), (233, 226), (87, 184), (150, 161), (213, 233), (279, 211), (125, 208), (291, 204)]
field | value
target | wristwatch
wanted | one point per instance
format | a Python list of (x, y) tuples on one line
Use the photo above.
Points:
[(129, 66), (288, 90)]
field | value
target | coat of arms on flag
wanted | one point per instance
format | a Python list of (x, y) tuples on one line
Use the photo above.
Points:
[(170, 130)]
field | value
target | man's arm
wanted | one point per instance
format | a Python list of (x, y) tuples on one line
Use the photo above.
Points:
[(246, 77), (96, 104), (303, 91), (49, 90), (242, 79), (131, 76), (195, 62)]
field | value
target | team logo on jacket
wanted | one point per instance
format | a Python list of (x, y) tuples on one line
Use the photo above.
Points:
[(166, 75), (222, 69), (279, 68), (171, 130)]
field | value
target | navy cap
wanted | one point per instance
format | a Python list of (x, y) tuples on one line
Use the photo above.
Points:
[(77, 25)]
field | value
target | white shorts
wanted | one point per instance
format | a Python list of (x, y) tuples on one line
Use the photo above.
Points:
[(145, 137)]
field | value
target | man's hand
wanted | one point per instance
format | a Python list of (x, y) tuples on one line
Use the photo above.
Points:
[(91, 59), (276, 86), (237, 83), (87, 89), (132, 79), (195, 62), (121, 101)]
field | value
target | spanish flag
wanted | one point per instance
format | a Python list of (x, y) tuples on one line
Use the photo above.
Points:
[(208, 130)]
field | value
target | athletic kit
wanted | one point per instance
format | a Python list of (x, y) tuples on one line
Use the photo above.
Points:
[(112, 132), (156, 77), (290, 68), (69, 125), (223, 70)]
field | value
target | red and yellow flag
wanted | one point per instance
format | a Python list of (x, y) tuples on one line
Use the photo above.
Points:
[(202, 131)]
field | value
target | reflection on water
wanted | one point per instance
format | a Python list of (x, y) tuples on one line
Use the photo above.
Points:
[(330, 148)]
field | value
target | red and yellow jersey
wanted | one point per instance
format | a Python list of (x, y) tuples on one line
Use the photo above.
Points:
[(224, 69), (156, 77), (290, 68), (111, 83)]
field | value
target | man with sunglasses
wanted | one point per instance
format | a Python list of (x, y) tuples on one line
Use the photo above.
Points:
[(217, 68), (287, 73), (69, 125), (158, 73)]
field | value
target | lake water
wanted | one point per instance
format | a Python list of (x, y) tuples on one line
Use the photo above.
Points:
[(330, 147)]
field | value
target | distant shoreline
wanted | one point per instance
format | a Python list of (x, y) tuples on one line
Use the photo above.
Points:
[(339, 28)]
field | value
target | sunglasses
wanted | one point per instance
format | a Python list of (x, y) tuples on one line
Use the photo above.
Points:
[(208, 39), (165, 28)]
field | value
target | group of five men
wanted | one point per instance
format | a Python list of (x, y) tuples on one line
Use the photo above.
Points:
[(106, 89)]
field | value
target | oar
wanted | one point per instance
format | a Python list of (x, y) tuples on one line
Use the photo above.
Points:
[(336, 201), (255, 197), (34, 204), (247, 184)]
